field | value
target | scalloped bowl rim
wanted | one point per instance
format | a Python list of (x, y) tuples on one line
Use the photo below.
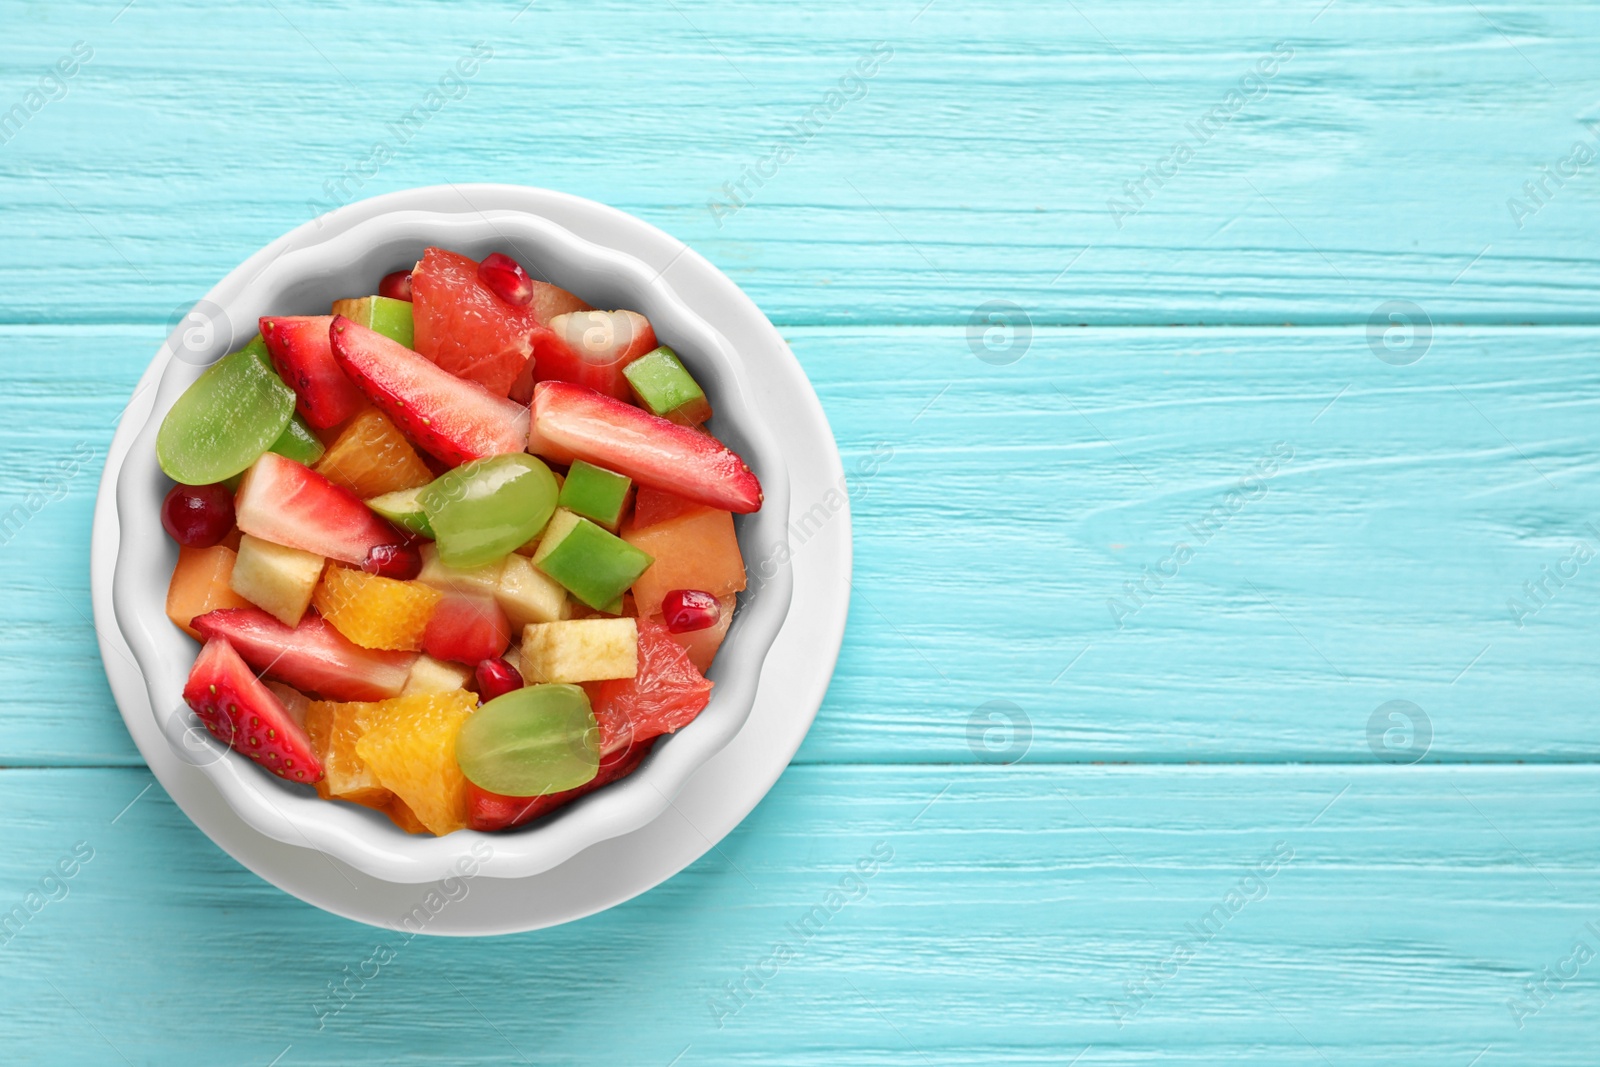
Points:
[(365, 839)]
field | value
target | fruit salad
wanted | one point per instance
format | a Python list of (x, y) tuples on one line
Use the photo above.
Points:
[(461, 551)]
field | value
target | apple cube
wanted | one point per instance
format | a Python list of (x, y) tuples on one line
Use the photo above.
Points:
[(429, 675), (594, 565), (580, 650), (277, 579), (665, 388), (387, 316), (482, 581), (596, 494), (526, 595)]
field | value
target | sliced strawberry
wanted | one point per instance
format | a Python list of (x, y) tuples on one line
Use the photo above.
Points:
[(244, 714), (493, 811), (290, 504), (591, 348), (664, 696), (453, 419), (467, 629), (570, 420), (464, 327), (313, 657), (303, 358)]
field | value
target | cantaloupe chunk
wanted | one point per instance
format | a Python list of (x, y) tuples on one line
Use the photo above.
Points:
[(696, 550), (201, 583)]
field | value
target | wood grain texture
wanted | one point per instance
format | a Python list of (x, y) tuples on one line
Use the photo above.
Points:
[(1001, 926), (1375, 164), (1384, 517), (1000, 512)]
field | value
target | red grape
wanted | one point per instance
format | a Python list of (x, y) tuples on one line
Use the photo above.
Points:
[(198, 516), (396, 286)]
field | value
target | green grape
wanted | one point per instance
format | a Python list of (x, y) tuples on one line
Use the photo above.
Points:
[(487, 508), (532, 741), (233, 412), (299, 443)]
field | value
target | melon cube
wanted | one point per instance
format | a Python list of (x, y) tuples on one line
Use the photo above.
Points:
[(201, 583), (695, 550), (276, 579), (580, 650), (429, 675), (526, 595)]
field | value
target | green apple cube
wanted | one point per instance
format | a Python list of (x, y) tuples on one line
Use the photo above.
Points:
[(403, 508), (663, 385), (392, 318), (595, 493), (222, 423), (594, 565), (488, 508), (298, 442)]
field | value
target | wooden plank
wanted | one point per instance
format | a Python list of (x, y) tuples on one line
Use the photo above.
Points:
[(1378, 562), (979, 161), (1002, 924)]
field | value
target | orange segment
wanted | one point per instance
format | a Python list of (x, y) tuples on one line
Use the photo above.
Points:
[(376, 612), (695, 550), (404, 817), (412, 750), (201, 582), (335, 729), (370, 457)]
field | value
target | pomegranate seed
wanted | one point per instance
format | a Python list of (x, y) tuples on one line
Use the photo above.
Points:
[(496, 677), (507, 279), (198, 516), (687, 610), (402, 562), (396, 286)]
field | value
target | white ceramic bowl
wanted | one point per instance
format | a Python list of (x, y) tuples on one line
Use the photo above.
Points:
[(345, 253)]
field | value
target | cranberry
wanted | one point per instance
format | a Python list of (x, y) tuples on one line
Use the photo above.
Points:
[(403, 562), (687, 610), (496, 677), (507, 279), (396, 286), (198, 516)]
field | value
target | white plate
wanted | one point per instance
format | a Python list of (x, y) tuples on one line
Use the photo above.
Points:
[(719, 795)]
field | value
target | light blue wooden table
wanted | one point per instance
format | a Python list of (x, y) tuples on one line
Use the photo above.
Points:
[(1219, 240)]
